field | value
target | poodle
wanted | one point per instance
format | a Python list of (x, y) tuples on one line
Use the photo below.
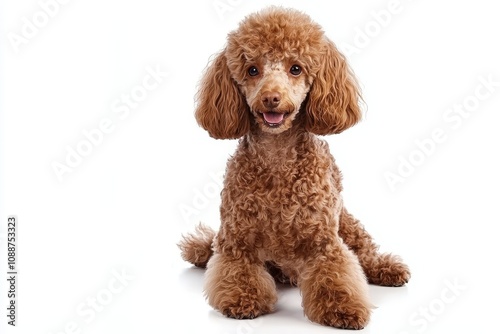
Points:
[(277, 85)]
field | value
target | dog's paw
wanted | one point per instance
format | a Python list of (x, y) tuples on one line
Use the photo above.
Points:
[(389, 271), (245, 309), (347, 315), (352, 319), (340, 308), (239, 289)]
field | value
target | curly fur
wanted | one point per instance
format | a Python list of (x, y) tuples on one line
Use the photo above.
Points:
[(197, 247), (282, 213)]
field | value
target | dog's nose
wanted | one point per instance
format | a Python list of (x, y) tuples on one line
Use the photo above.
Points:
[(271, 99)]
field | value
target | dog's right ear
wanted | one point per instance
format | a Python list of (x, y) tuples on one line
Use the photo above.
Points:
[(221, 108)]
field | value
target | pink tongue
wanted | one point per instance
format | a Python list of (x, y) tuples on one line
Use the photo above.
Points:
[(273, 117)]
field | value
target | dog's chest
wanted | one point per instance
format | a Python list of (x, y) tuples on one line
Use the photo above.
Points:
[(282, 206), (284, 194)]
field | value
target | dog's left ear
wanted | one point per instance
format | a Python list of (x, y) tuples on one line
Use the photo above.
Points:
[(332, 104)]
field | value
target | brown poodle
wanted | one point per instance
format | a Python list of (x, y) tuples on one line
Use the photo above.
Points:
[(278, 84)]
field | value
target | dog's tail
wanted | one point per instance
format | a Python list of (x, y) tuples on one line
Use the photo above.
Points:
[(197, 247)]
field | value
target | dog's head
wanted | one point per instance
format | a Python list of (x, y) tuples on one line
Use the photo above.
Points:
[(278, 68)]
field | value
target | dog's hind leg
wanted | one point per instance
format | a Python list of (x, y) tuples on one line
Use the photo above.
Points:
[(380, 269)]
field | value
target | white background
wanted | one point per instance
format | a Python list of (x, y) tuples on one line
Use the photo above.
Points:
[(125, 205)]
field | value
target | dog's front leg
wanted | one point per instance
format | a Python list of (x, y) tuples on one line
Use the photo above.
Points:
[(239, 287), (334, 289)]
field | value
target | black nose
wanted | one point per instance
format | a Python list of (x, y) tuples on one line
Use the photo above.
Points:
[(271, 99)]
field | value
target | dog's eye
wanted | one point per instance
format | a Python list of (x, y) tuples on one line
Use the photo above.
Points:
[(295, 70), (253, 71)]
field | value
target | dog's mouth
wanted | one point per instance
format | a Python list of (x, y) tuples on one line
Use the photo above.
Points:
[(273, 119)]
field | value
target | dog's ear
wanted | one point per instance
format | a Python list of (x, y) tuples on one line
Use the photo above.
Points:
[(221, 108), (332, 104)]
